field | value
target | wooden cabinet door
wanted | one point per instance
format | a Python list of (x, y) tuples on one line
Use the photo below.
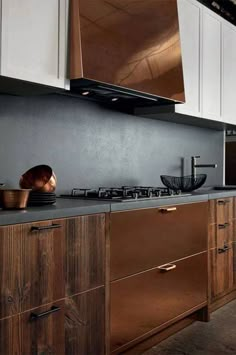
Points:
[(42, 264), (229, 73), (144, 302), (221, 270), (42, 330), (143, 239), (10, 280), (211, 65), (10, 336), (85, 253), (189, 22), (33, 43), (85, 323)]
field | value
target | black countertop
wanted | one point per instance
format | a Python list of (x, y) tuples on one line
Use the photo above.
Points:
[(71, 208)]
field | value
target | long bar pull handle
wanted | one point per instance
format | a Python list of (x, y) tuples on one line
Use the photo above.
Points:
[(35, 316), (167, 267), (168, 209), (43, 228)]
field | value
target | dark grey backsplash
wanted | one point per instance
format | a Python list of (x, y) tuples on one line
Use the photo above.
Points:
[(89, 146)]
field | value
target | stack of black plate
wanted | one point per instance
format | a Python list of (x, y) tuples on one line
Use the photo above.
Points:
[(37, 198)]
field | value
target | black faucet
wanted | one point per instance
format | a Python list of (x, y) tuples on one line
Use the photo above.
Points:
[(194, 165)]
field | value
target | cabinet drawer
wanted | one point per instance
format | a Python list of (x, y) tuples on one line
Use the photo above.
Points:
[(146, 238), (42, 330), (221, 270), (220, 234), (31, 265), (146, 301), (221, 210)]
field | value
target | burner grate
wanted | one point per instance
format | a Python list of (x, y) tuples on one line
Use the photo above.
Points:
[(123, 193)]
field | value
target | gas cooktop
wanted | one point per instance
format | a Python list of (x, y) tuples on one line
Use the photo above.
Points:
[(124, 193)]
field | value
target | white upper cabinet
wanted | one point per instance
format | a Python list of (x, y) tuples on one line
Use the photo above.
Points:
[(211, 66), (189, 21), (34, 41), (209, 63), (229, 73)]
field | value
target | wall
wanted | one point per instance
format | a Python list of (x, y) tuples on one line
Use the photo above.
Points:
[(89, 146)]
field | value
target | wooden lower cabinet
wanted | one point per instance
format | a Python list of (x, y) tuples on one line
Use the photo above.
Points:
[(42, 330), (146, 301), (10, 340), (85, 323), (221, 264)]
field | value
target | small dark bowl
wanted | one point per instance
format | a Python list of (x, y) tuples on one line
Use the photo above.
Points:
[(184, 183)]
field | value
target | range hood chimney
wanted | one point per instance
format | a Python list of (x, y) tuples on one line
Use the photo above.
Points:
[(126, 52)]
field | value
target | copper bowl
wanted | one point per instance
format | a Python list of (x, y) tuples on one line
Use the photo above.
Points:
[(39, 178), (14, 198)]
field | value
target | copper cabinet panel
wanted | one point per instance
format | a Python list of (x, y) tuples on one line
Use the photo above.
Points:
[(221, 270), (146, 238), (143, 302), (132, 44)]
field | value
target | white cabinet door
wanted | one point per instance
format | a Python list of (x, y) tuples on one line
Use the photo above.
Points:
[(189, 22), (34, 41), (229, 74), (211, 66)]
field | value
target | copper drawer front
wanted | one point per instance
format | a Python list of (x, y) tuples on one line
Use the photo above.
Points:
[(146, 238), (143, 302)]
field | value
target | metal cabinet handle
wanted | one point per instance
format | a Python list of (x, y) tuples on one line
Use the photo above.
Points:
[(222, 226), (35, 316), (167, 267), (224, 249), (223, 202), (43, 228), (168, 209)]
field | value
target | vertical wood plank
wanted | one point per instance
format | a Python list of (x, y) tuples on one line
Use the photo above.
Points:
[(10, 281), (85, 253), (42, 265), (84, 323), (10, 336)]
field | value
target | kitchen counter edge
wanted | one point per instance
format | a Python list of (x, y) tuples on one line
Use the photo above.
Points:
[(66, 208)]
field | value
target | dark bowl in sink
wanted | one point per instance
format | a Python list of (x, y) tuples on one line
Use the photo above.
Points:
[(184, 183)]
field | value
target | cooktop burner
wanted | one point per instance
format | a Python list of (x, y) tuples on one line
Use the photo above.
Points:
[(124, 193)]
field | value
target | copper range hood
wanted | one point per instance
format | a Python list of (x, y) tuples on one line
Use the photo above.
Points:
[(126, 52)]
